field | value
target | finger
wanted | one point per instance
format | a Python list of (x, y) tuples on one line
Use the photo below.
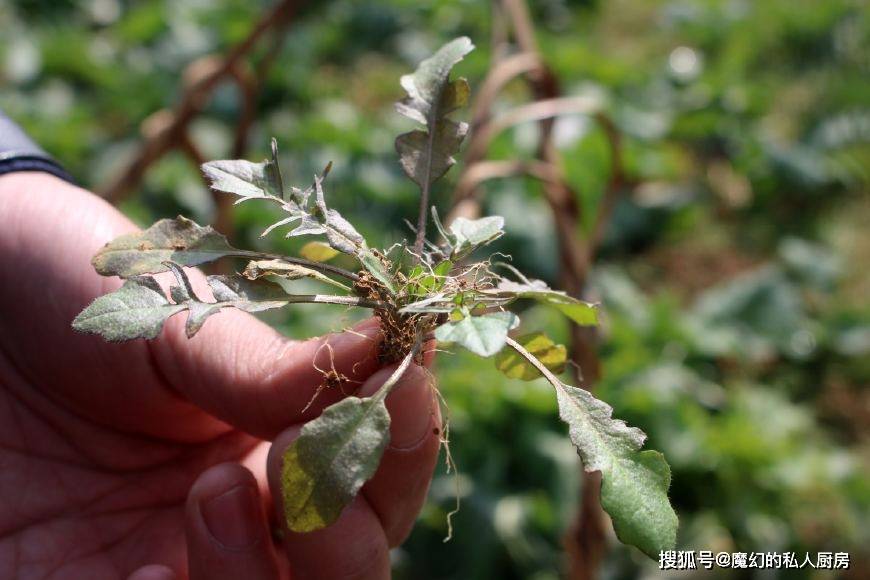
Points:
[(153, 572), (227, 534), (397, 491), (353, 548)]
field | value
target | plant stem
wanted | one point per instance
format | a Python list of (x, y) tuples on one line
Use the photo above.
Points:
[(391, 382), (332, 299), (427, 181)]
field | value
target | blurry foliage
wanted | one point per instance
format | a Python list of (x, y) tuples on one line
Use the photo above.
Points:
[(737, 330)]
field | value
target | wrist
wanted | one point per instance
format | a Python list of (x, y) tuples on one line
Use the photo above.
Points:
[(18, 153)]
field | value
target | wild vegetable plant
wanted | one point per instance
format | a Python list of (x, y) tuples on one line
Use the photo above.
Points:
[(426, 290)]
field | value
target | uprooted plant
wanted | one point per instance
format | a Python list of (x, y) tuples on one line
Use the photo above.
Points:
[(421, 291)]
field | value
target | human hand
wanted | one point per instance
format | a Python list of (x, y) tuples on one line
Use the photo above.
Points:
[(152, 460)]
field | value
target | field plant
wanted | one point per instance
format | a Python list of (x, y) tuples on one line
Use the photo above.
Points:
[(424, 290)]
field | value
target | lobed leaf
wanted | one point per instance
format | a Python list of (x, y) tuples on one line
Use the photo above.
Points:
[(483, 335), (634, 485), (425, 160), (634, 488), (178, 240), (425, 86), (425, 155)]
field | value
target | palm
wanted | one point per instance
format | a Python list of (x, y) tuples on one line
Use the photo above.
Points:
[(100, 444)]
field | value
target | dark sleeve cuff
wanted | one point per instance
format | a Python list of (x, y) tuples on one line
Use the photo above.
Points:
[(19, 153)]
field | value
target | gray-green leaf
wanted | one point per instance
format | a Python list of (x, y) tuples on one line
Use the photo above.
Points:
[(178, 240), (483, 335), (424, 161), (136, 310)]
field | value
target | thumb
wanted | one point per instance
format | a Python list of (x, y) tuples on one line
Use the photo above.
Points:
[(247, 374)]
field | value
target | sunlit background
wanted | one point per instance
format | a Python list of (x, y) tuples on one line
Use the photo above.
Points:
[(733, 275)]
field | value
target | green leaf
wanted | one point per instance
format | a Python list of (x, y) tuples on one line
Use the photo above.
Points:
[(422, 284), (317, 252), (334, 455), (443, 268), (137, 310), (178, 240), (583, 313), (483, 335), (515, 366), (376, 269), (634, 487), (245, 179), (426, 155)]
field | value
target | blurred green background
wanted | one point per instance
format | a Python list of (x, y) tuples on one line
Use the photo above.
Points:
[(733, 276)]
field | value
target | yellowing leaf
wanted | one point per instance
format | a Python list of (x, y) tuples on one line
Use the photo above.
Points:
[(317, 252), (515, 366), (333, 457)]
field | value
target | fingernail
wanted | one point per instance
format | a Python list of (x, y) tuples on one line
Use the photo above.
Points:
[(412, 401), (231, 518)]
